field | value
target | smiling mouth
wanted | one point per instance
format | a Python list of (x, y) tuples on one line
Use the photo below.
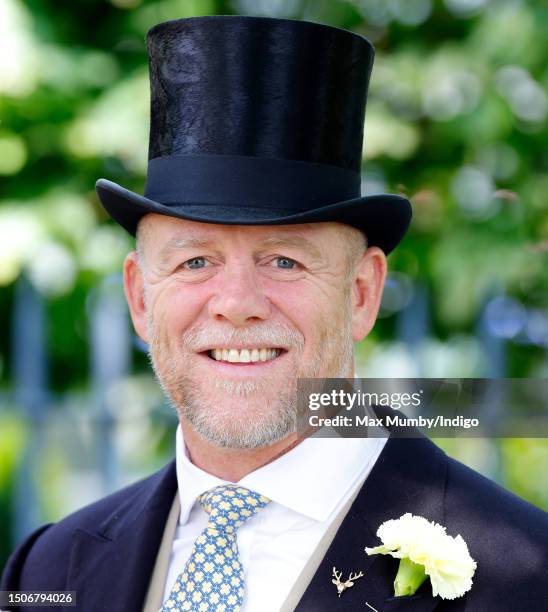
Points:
[(244, 355)]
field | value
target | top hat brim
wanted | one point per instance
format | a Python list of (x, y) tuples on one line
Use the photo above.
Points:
[(384, 218)]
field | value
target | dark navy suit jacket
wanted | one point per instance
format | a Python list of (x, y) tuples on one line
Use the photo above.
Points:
[(106, 551)]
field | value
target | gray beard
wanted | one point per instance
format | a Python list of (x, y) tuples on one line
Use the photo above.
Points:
[(218, 424)]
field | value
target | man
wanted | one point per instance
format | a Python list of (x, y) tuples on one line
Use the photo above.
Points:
[(259, 263)]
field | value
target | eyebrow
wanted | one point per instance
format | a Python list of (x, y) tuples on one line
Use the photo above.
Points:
[(177, 243), (298, 242)]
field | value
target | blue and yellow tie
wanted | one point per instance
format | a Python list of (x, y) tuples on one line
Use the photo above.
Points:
[(213, 578)]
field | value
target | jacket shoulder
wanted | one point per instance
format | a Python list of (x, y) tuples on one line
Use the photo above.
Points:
[(506, 535), (481, 501), (48, 547)]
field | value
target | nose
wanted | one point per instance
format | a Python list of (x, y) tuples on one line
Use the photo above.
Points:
[(239, 299)]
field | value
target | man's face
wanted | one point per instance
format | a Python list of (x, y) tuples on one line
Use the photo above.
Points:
[(234, 315)]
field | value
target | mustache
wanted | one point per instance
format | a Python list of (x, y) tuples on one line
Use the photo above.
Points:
[(263, 334)]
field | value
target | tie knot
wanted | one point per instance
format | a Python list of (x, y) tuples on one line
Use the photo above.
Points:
[(229, 506)]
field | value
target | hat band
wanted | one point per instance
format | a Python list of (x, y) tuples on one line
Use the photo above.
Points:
[(256, 181)]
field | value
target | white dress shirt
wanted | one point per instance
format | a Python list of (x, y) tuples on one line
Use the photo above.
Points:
[(307, 485)]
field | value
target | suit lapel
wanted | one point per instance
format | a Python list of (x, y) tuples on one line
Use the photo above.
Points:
[(409, 476), (110, 569)]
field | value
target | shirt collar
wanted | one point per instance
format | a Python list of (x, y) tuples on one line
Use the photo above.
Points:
[(312, 478)]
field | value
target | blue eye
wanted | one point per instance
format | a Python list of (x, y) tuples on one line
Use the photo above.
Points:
[(285, 263), (195, 263)]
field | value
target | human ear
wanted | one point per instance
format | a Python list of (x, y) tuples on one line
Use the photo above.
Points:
[(366, 291), (134, 288)]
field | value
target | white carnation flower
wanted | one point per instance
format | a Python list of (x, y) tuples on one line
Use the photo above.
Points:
[(444, 559)]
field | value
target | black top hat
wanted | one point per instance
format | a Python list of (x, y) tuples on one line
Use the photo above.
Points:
[(258, 121)]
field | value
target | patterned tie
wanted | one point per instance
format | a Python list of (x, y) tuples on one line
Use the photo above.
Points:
[(213, 578)]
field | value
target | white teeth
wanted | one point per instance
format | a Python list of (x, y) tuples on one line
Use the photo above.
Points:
[(245, 355)]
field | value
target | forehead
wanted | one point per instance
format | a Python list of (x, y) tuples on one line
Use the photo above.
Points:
[(163, 233)]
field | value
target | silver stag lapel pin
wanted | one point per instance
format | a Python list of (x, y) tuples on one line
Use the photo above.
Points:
[(342, 585)]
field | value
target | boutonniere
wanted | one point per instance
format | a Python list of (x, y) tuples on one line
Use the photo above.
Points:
[(424, 549)]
